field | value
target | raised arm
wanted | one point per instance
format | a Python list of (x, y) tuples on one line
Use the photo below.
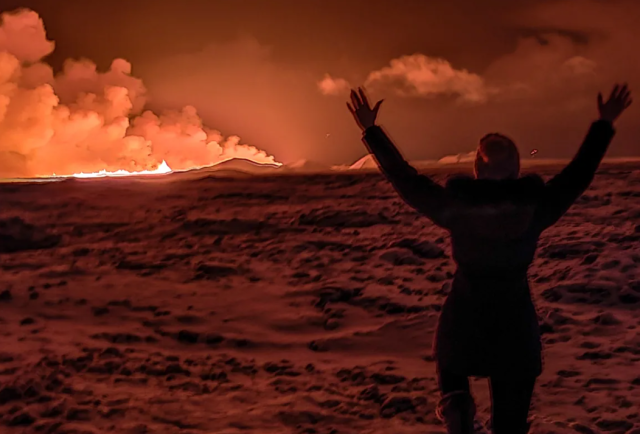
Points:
[(419, 191), (566, 187)]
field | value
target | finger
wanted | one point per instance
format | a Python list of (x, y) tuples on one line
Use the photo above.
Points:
[(623, 91), (600, 102), (359, 97), (354, 100), (360, 100), (377, 106), (357, 101), (351, 109), (626, 94), (614, 92), (363, 97), (628, 103), (623, 99)]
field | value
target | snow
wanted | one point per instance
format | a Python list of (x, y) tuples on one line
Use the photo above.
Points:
[(287, 303)]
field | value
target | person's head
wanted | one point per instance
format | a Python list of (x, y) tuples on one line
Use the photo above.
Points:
[(497, 158)]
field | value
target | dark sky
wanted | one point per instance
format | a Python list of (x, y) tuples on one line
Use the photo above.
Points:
[(306, 32), (251, 67)]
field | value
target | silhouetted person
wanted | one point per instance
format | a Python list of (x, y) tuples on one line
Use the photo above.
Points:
[(488, 326)]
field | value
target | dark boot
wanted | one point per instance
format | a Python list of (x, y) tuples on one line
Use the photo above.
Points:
[(521, 429), (457, 410)]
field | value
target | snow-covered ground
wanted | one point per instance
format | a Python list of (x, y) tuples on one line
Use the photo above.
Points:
[(200, 303)]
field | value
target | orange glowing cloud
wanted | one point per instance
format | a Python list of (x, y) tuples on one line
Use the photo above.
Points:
[(333, 86), (549, 63), (84, 120), (416, 76), (420, 75)]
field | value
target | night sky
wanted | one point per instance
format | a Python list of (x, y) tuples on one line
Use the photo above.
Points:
[(530, 69)]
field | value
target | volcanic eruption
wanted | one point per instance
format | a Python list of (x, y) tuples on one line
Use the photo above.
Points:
[(86, 122)]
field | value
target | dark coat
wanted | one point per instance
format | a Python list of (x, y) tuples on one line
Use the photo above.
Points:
[(488, 324)]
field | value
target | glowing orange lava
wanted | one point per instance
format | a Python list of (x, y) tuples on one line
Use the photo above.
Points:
[(162, 169)]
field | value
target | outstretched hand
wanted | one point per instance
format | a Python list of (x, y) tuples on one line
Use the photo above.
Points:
[(362, 112), (618, 102)]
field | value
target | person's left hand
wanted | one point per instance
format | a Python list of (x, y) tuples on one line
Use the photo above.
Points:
[(362, 112), (619, 101)]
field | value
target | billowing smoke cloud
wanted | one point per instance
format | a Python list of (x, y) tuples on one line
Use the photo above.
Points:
[(416, 76), (549, 62), (84, 120), (23, 35), (547, 66), (333, 86), (420, 75), (542, 91)]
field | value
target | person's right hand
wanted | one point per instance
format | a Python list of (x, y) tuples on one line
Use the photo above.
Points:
[(362, 112), (618, 102)]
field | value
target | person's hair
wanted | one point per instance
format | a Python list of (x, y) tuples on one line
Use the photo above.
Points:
[(497, 157)]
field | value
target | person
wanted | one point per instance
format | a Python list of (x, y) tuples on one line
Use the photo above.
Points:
[(488, 325)]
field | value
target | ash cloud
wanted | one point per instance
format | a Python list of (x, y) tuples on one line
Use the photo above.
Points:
[(85, 120)]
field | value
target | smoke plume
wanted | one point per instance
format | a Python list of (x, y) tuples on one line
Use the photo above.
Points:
[(424, 76), (85, 120), (333, 86)]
